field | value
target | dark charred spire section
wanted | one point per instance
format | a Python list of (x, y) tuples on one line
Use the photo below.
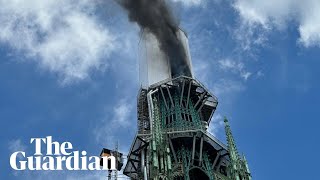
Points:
[(155, 17)]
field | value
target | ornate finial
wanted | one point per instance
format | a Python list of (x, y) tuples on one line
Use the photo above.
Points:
[(226, 120)]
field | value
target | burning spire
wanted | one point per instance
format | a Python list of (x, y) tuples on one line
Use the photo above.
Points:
[(155, 16)]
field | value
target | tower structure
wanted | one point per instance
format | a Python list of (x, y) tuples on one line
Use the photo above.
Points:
[(174, 112), (238, 168)]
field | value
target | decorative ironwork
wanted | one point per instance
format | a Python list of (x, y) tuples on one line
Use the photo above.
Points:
[(173, 142), (179, 117)]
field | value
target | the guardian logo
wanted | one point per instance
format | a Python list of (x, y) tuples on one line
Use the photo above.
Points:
[(63, 158)]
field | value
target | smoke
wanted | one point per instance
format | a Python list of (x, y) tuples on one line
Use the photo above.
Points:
[(155, 16)]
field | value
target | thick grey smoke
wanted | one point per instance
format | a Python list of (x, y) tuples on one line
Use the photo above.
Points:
[(155, 17)]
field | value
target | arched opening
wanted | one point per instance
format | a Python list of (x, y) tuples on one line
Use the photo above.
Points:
[(198, 174)]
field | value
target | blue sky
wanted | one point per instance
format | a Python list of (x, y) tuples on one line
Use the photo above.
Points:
[(69, 69)]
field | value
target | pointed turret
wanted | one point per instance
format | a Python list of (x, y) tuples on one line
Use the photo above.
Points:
[(239, 169), (234, 156), (247, 167)]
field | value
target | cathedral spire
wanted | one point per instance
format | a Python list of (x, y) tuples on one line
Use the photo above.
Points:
[(239, 169), (231, 143)]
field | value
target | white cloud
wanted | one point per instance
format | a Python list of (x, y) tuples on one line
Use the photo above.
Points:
[(310, 24), (122, 113), (277, 14), (61, 35), (266, 13), (116, 122), (216, 124), (190, 2), (235, 67), (227, 87), (201, 69), (250, 35), (260, 74), (16, 145)]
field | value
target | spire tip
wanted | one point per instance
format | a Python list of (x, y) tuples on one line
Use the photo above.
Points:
[(225, 119)]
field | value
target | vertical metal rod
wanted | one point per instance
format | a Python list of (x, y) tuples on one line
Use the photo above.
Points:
[(170, 96), (173, 151), (147, 162), (164, 99), (188, 115), (185, 112), (201, 146), (218, 167), (216, 159), (182, 93), (162, 163), (200, 98), (143, 167), (142, 160), (193, 148), (202, 104), (117, 155), (188, 94), (145, 173), (150, 107)]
